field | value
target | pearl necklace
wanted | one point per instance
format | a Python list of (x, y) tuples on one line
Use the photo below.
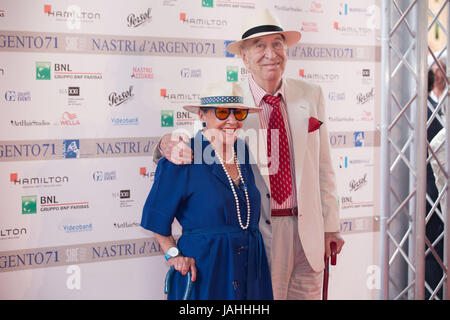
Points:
[(234, 191)]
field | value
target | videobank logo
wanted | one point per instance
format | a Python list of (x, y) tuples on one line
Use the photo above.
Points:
[(43, 70)]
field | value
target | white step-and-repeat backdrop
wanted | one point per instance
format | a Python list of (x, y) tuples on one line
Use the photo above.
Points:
[(88, 87)]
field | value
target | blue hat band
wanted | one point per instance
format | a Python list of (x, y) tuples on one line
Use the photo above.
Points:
[(221, 100)]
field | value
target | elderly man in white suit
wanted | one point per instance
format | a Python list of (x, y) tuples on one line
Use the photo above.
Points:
[(299, 225)]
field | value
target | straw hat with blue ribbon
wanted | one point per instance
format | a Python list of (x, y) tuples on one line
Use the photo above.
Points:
[(222, 94)]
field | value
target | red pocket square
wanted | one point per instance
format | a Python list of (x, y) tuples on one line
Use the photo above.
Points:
[(314, 124)]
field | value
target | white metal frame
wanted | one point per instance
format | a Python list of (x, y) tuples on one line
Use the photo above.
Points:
[(404, 150)]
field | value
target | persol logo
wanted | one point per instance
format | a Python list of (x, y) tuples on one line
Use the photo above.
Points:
[(356, 184), (116, 99), (138, 20), (363, 98)]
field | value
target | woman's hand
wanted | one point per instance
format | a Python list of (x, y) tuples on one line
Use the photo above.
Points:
[(180, 263), (183, 265)]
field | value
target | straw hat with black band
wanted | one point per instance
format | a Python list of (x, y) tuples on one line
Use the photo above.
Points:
[(261, 23)]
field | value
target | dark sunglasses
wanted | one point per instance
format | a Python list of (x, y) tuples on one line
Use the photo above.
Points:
[(224, 113)]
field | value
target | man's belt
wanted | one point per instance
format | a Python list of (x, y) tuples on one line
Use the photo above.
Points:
[(284, 212)]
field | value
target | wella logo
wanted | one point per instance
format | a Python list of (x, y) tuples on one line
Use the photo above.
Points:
[(69, 119)]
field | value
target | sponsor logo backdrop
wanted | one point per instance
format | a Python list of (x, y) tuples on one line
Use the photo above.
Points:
[(86, 90)]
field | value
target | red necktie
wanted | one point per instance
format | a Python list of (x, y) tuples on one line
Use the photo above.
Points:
[(281, 180)]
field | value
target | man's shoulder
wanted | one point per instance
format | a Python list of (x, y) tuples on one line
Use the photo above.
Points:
[(297, 88), (292, 87)]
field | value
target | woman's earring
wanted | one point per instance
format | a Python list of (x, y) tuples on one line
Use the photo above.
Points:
[(204, 124)]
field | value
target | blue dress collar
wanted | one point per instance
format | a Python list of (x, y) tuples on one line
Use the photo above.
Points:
[(205, 154)]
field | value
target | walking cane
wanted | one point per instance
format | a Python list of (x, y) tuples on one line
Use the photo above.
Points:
[(326, 272), (168, 283)]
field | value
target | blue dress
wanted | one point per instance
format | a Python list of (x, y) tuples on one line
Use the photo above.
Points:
[(231, 262)]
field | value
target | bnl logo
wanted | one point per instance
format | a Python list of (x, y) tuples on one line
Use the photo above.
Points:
[(166, 118), (208, 3), (43, 70), (29, 204), (232, 73)]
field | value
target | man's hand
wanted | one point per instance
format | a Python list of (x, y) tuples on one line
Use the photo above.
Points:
[(333, 237), (175, 148)]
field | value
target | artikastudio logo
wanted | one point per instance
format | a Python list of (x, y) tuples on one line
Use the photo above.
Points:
[(166, 118), (29, 204), (43, 70)]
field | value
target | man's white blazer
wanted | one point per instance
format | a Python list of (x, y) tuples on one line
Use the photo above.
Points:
[(317, 200)]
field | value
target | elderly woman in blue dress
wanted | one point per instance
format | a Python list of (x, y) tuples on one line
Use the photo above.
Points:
[(216, 201)]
